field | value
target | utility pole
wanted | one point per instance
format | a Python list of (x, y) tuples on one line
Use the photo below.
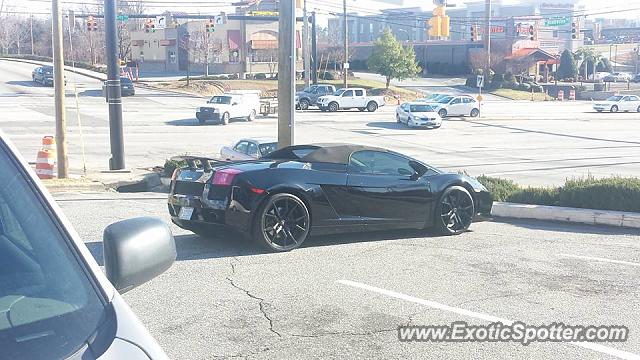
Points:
[(305, 45), (345, 65), (58, 83), (314, 49), (487, 37), (286, 72), (114, 95)]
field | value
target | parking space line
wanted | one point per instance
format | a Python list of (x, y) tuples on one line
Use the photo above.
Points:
[(621, 354), (601, 259)]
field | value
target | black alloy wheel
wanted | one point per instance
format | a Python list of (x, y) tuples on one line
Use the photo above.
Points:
[(283, 223), (454, 212)]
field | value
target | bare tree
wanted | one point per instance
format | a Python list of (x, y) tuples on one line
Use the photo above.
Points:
[(202, 46)]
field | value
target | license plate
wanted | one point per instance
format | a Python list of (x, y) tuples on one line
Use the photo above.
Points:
[(185, 213)]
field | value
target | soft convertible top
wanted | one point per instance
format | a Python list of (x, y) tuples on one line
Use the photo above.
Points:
[(327, 153)]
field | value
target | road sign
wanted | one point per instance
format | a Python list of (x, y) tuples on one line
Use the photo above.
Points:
[(220, 19), (480, 81), (556, 21), (161, 22), (479, 97), (122, 17), (345, 65)]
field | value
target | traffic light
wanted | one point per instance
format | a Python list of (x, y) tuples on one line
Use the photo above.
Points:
[(92, 24), (574, 30), (532, 33), (435, 26), (210, 26), (149, 26), (474, 32)]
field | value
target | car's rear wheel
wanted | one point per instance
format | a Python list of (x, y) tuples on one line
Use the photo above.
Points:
[(474, 113), (283, 223), (454, 212), (442, 113), (252, 115), (638, 109), (225, 118), (304, 104), (372, 106), (614, 108), (333, 107)]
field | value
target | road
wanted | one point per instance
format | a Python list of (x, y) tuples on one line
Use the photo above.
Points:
[(532, 143), (344, 296)]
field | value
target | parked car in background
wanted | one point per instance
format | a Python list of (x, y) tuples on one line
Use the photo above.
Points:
[(350, 98), (432, 97), (44, 75), (232, 105), (618, 103), (299, 190), (55, 300), (126, 87), (462, 105), (617, 76), (309, 96), (417, 114), (248, 149), (636, 78)]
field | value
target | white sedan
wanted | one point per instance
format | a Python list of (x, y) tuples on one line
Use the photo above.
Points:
[(418, 114), (618, 103), (462, 105), (248, 149)]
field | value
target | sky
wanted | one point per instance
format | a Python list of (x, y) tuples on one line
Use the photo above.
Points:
[(364, 7)]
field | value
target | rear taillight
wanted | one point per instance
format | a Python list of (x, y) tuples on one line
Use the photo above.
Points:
[(225, 176)]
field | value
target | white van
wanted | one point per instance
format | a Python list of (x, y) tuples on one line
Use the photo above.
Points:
[(239, 104)]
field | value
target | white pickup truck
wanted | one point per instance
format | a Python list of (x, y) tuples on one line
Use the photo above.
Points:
[(350, 98)]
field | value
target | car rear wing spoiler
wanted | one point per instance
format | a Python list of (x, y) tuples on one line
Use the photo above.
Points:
[(195, 162)]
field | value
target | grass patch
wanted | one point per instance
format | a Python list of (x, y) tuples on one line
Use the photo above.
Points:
[(520, 95), (614, 193)]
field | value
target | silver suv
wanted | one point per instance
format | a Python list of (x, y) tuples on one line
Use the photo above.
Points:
[(55, 301)]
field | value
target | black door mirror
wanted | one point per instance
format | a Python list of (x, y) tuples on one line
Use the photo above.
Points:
[(418, 168), (137, 250)]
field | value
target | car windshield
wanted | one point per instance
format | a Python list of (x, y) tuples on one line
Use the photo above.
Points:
[(124, 80), (49, 307), (445, 99), (309, 89), (338, 92), (420, 108), (220, 100), (615, 98), (268, 148)]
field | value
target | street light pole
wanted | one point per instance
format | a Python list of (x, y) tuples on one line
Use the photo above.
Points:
[(286, 72), (345, 63), (487, 37), (114, 95), (305, 45)]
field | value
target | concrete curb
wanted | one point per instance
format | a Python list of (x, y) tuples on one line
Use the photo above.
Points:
[(66, 68), (566, 214)]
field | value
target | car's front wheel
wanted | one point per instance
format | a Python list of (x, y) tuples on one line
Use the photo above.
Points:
[(333, 107), (282, 223), (225, 118), (442, 113), (454, 211), (304, 104), (372, 106), (252, 115), (474, 113), (614, 108)]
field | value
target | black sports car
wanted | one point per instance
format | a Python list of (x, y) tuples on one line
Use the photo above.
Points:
[(281, 198)]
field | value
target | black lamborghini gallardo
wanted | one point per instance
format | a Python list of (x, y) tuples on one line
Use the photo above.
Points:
[(280, 199)]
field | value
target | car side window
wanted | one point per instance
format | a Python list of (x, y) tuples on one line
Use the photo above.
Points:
[(359, 93), (467, 100), (241, 147), (626, 98), (634, 98), (348, 93), (380, 163), (252, 149), (456, 101)]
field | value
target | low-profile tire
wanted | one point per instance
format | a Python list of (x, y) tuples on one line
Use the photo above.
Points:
[(372, 106), (282, 223), (442, 113), (614, 109), (225, 119), (474, 113), (454, 211), (304, 104), (361, 109), (252, 115), (333, 107)]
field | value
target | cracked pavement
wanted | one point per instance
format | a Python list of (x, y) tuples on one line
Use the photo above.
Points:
[(226, 298)]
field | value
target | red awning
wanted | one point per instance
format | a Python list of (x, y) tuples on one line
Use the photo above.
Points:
[(235, 39)]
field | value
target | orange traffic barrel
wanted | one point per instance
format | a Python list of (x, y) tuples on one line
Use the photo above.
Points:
[(45, 164), (49, 143)]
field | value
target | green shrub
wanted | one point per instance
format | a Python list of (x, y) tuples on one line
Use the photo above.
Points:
[(327, 75), (616, 193), (501, 189), (171, 165), (536, 196)]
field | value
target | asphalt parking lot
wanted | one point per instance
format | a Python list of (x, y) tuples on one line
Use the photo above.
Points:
[(344, 296)]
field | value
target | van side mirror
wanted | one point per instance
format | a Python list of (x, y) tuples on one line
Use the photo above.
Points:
[(137, 250)]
